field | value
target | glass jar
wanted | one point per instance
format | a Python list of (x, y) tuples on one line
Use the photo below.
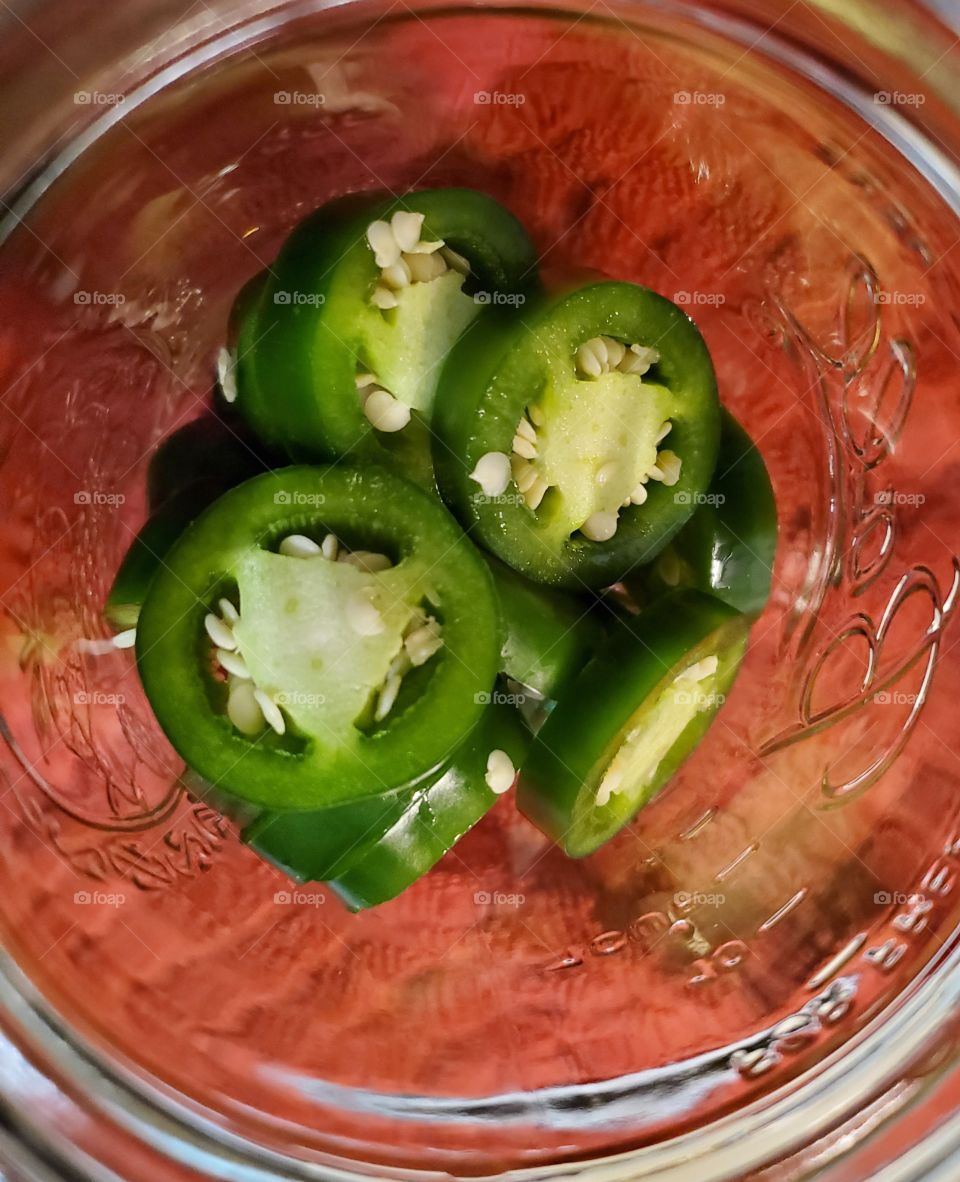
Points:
[(761, 977)]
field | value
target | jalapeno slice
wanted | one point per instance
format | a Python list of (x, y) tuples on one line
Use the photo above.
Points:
[(317, 845), (318, 635), (727, 548), (409, 826), (548, 635), (187, 472), (575, 437), (630, 719), (439, 815), (149, 548), (205, 450), (344, 341)]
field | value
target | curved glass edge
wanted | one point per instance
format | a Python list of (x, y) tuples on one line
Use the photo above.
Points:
[(876, 1067), (59, 1084)]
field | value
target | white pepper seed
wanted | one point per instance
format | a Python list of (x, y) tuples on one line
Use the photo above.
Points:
[(615, 351), (526, 429), (406, 227), (366, 560), (271, 711), (454, 261), (600, 527), (299, 546), (536, 492), (233, 663), (523, 447), (219, 632), (387, 697), (397, 276), (424, 267), (386, 413), (500, 772), (492, 473), (383, 243), (243, 709), (362, 614), (229, 613), (383, 298), (422, 644)]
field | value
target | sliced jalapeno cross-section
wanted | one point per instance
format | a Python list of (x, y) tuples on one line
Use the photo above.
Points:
[(346, 337), (548, 636), (439, 814), (630, 719), (376, 847), (576, 435), (318, 635), (187, 472), (728, 546)]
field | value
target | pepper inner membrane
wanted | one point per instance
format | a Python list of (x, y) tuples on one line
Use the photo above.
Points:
[(587, 448), (321, 638), (416, 310)]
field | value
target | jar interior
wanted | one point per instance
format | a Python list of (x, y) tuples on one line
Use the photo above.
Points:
[(514, 1007)]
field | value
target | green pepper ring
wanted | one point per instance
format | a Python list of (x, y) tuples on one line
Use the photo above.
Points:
[(377, 847), (439, 815), (548, 636), (577, 744), (372, 505), (497, 368), (296, 363), (728, 547)]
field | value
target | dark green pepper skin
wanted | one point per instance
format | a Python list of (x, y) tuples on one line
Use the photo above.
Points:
[(438, 816), (548, 636), (205, 450), (561, 775), (296, 362), (497, 367), (728, 546), (315, 846), (301, 772), (150, 547), (187, 472)]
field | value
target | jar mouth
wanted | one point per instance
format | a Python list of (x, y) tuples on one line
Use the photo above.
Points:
[(844, 693), (878, 1074)]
